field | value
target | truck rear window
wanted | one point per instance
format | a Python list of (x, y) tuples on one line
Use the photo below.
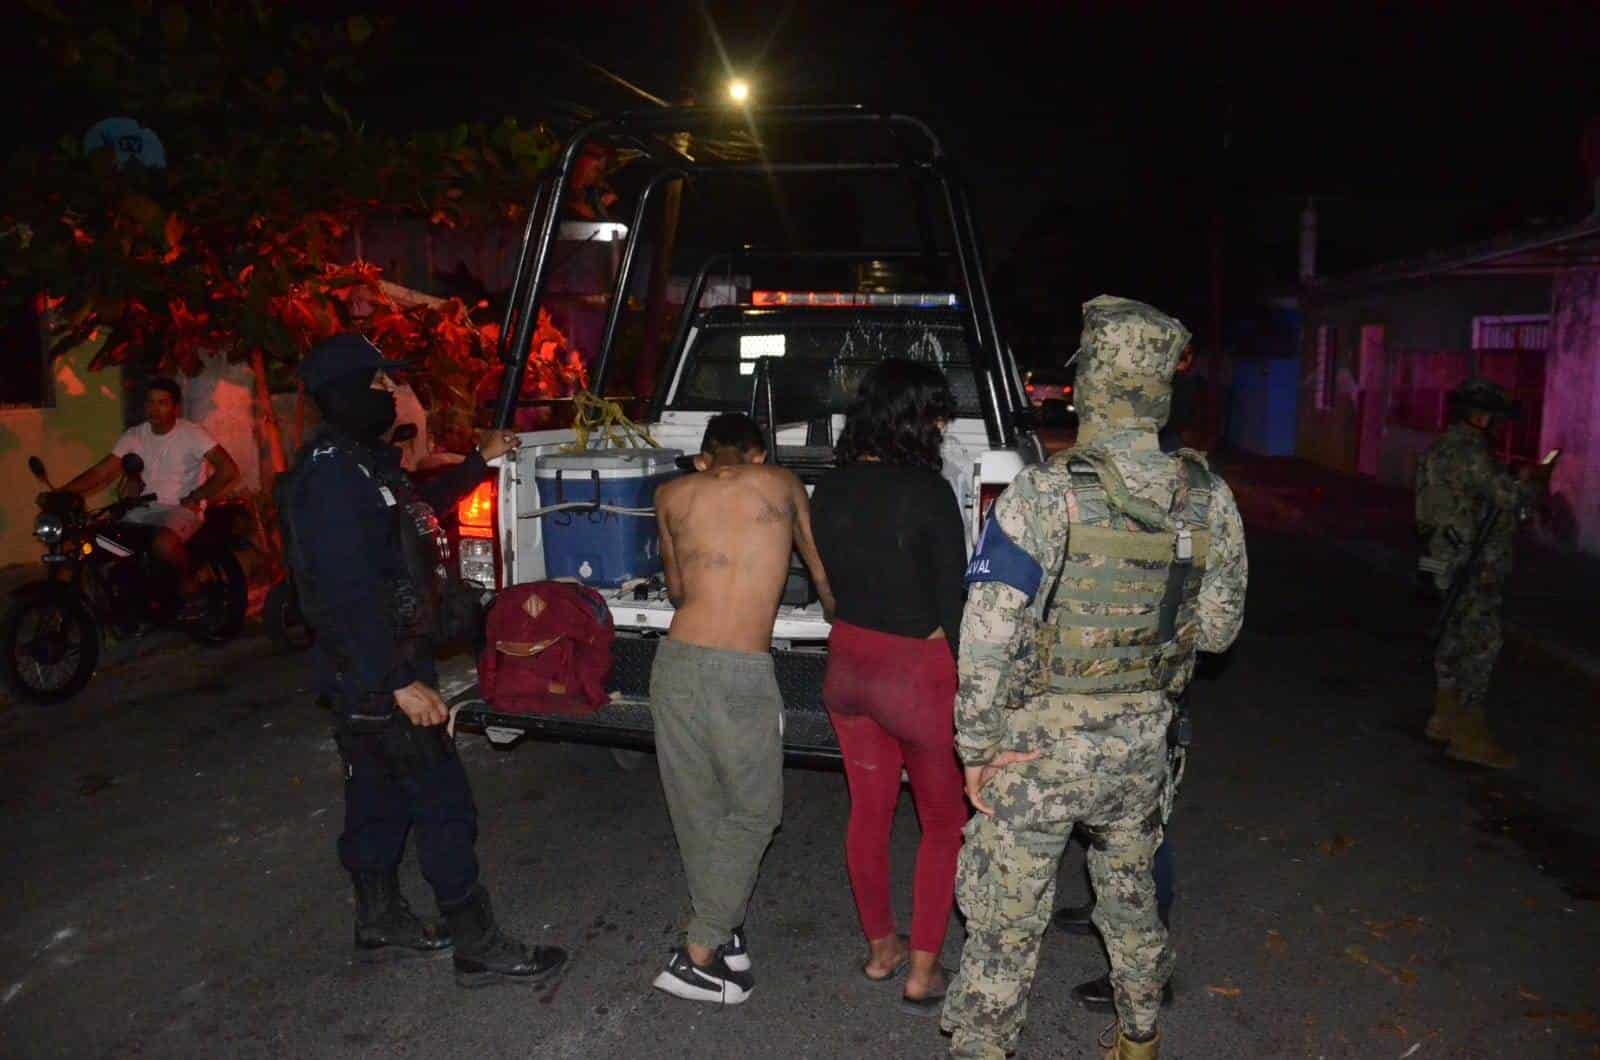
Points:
[(816, 365)]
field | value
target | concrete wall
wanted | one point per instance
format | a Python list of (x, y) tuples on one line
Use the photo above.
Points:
[(1262, 400), (80, 429), (1397, 460), (1328, 436), (1572, 407), (1418, 315), (219, 399)]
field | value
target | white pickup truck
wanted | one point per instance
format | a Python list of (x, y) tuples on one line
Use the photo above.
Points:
[(792, 358)]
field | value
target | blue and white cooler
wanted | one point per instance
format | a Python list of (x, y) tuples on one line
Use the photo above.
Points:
[(596, 546)]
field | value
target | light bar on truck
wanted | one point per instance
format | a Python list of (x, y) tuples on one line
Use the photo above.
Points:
[(855, 299)]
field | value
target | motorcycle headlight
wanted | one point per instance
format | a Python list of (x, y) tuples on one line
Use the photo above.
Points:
[(49, 528)]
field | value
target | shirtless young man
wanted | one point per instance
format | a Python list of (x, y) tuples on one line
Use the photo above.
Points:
[(726, 535)]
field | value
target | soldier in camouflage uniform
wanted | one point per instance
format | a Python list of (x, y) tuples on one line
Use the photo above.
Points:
[(1099, 575), (1463, 493)]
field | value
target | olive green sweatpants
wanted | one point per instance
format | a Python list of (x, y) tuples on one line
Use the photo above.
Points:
[(720, 748)]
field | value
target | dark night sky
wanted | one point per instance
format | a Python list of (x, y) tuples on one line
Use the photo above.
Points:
[(1094, 135), (1102, 127)]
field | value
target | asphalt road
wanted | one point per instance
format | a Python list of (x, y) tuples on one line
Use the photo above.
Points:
[(171, 887)]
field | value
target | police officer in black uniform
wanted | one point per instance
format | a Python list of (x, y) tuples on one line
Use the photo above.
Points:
[(368, 560)]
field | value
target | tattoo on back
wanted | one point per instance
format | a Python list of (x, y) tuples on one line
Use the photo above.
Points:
[(700, 557), (772, 513)]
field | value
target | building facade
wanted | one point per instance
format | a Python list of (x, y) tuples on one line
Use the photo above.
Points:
[(1382, 349)]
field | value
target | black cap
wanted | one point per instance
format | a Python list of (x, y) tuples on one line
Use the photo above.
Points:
[(344, 355), (1482, 395)]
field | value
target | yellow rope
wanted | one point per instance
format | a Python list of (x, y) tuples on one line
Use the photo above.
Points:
[(592, 414)]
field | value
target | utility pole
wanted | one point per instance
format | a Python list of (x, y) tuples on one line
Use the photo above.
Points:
[(1220, 186), (646, 363), (1215, 374)]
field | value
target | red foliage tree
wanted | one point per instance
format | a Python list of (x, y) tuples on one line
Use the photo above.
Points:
[(241, 247)]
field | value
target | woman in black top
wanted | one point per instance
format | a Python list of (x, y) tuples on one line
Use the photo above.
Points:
[(889, 531)]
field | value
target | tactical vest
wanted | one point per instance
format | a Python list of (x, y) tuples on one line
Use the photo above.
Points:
[(1433, 500), (1119, 615), (417, 599)]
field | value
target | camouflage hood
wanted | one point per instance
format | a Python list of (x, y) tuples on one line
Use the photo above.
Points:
[(1125, 366)]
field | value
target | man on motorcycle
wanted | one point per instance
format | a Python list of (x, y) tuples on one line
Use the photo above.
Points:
[(183, 466)]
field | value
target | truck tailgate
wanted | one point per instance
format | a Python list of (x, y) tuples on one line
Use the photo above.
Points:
[(625, 722)]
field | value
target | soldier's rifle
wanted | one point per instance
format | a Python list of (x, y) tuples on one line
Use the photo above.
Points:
[(1465, 573)]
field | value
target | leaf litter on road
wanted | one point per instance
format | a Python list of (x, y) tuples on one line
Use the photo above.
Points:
[(1580, 1020), (1382, 929), (1401, 976), (1340, 843)]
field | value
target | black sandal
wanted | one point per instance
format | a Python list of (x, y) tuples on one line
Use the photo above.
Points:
[(922, 1006), (894, 973)]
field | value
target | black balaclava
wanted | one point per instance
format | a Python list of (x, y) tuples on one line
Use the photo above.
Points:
[(354, 407)]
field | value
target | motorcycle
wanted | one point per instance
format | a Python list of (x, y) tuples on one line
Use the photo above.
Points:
[(286, 627), (101, 580)]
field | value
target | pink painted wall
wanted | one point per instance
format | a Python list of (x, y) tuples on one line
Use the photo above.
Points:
[(1572, 407)]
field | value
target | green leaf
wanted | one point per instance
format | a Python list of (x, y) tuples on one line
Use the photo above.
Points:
[(107, 41), (359, 27), (338, 111), (174, 25), (525, 144), (46, 9)]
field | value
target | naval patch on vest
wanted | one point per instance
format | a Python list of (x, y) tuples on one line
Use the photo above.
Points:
[(1000, 559)]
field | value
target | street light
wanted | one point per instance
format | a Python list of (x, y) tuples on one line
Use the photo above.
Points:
[(739, 90)]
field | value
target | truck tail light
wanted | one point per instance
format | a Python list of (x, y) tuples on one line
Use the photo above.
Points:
[(475, 512), (475, 548), (988, 493)]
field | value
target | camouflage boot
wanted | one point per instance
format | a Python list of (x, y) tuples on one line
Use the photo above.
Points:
[(1472, 742), (1125, 1048), (1446, 715)]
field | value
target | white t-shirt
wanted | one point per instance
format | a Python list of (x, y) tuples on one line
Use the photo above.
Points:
[(174, 463)]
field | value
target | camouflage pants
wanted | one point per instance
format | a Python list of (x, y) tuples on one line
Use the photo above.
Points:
[(1110, 779), (1470, 642)]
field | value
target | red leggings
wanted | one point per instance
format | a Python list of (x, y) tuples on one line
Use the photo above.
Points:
[(892, 701)]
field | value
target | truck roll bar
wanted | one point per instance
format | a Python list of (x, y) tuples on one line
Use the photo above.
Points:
[(649, 131)]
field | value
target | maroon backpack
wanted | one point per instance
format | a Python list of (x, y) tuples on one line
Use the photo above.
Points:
[(547, 650)]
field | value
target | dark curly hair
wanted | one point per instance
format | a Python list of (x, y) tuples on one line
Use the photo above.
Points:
[(167, 386), (895, 415)]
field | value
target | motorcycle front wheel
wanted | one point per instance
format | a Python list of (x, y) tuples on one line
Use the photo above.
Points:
[(52, 645), (286, 626)]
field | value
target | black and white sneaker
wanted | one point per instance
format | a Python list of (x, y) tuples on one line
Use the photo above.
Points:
[(736, 953), (716, 983)]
